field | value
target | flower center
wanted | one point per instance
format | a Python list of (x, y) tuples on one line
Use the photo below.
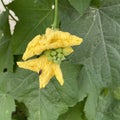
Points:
[(55, 55)]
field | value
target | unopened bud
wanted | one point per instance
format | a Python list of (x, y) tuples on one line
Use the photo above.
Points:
[(59, 55), (50, 58), (53, 53), (59, 50), (47, 53)]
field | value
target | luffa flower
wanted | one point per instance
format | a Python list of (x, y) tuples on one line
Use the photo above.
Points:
[(52, 47)]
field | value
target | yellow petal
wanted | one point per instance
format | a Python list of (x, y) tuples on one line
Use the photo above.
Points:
[(67, 50), (45, 76), (58, 73), (35, 64), (30, 47), (61, 39), (55, 35)]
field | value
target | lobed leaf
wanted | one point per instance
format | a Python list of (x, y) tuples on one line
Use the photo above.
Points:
[(99, 53)]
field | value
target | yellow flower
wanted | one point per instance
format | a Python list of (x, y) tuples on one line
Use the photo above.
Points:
[(52, 47)]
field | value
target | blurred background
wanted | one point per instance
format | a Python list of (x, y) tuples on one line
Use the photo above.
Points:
[(11, 21)]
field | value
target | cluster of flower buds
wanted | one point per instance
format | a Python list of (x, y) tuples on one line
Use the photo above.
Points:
[(57, 55)]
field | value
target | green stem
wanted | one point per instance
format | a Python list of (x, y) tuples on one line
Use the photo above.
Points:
[(55, 22), (8, 11)]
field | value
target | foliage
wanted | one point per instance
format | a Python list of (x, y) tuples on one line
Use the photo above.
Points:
[(92, 73)]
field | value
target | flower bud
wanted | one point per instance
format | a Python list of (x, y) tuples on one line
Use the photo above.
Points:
[(59, 50), (50, 58), (53, 53), (60, 55), (47, 53)]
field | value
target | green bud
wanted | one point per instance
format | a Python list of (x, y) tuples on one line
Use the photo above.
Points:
[(59, 50), (59, 55), (47, 52), (63, 58), (54, 57), (56, 61), (53, 53), (50, 58)]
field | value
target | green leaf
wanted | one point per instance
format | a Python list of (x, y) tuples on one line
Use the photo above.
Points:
[(46, 103), (6, 57), (74, 113), (33, 17), (99, 53), (80, 5), (7, 106)]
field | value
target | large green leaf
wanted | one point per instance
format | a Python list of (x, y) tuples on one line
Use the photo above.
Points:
[(46, 103), (6, 57), (34, 16), (99, 53), (7, 106)]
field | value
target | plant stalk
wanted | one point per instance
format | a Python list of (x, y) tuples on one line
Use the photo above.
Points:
[(55, 22)]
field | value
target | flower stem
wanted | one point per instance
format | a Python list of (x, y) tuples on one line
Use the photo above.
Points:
[(8, 11), (55, 22)]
